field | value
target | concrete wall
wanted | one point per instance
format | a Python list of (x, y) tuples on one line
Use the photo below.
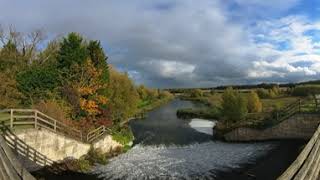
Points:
[(301, 126), (58, 147)]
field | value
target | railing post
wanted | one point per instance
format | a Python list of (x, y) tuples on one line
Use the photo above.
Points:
[(55, 126), (35, 119), (11, 118)]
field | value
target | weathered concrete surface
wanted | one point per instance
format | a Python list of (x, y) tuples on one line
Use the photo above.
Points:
[(55, 146), (106, 144), (58, 147), (300, 126)]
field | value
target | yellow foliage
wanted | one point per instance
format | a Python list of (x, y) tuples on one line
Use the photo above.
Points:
[(90, 106), (102, 100), (254, 103), (85, 91)]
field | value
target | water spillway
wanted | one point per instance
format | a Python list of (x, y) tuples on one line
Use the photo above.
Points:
[(181, 162), (170, 148)]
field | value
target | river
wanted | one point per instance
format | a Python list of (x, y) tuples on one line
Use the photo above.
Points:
[(166, 147)]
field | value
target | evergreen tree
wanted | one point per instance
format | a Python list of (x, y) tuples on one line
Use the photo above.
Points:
[(72, 51), (99, 58)]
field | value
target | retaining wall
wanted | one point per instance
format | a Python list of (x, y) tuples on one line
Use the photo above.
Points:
[(300, 126)]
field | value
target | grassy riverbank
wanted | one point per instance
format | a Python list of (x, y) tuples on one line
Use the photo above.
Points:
[(270, 113)]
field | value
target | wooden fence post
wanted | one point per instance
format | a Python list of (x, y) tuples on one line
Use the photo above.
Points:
[(299, 105), (55, 126), (35, 119), (11, 118)]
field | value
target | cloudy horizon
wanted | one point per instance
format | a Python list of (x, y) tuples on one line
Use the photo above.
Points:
[(185, 43)]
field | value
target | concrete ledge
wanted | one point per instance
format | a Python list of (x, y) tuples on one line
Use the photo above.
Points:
[(301, 126)]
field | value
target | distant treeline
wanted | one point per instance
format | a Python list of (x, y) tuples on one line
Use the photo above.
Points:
[(244, 87)]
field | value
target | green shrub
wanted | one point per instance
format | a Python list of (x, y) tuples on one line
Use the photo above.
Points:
[(124, 136), (212, 113), (254, 103), (37, 82), (96, 156), (306, 90), (234, 106), (196, 93)]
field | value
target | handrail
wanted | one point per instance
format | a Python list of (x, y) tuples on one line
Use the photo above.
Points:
[(300, 163), (39, 119)]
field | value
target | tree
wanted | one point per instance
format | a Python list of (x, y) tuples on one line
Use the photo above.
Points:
[(72, 51), (123, 97), (254, 103), (37, 82), (196, 93), (9, 93), (99, 59), (234, 106)]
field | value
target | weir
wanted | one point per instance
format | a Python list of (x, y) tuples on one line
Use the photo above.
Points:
[(37, 125)]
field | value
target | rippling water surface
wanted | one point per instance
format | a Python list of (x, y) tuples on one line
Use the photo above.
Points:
[(169, 148)]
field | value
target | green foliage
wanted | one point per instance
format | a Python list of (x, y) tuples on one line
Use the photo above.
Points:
[(10, 95), (99, 58), (123, 97), (268, 93), (37, 82), (306, 90), (82, 165), (96, 156), (123, 135), (254, 104), (234, 106), (72, 51), (195, 93), (206, 113)]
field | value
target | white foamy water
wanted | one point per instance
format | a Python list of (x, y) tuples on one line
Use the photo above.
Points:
[(202, 125), (185, 162)]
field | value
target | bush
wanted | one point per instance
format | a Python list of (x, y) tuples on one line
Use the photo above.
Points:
[(212, 113), (53, 108), (234, 106), (123, 136), (96, 156), (254, 103), (196, 93), (268, 93), (37, 82), (306, 90), (263, 93)]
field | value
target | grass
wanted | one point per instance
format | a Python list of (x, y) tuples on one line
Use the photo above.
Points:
[(124, 136), (150, 105), (4, 116), (277, 103), (255, 120), (207, 113)]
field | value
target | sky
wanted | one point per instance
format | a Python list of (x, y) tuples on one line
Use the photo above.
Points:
[(188, 43)]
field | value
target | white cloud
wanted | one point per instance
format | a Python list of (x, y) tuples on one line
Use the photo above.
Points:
[(181, 42), (276, 60)]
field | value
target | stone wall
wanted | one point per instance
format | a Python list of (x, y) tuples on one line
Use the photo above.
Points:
[(301, 126), (58, 147)]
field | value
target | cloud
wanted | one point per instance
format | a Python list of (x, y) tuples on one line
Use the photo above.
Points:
[(180, 43), (299, 61)]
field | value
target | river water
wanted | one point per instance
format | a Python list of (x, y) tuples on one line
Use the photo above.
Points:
[(166, 147)]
